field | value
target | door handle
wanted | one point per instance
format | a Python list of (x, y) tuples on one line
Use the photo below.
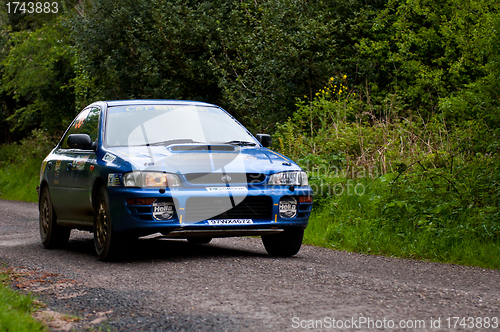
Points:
[(69, 167)]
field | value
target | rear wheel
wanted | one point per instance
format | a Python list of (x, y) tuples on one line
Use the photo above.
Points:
[(107, 243), (284, 244), (52, 234), (199, 240)]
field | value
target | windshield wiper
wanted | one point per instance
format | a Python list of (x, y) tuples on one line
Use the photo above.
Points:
[(241, 143), (175, 141)]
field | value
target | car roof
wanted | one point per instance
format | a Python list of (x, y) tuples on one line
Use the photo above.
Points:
[(156, 102)]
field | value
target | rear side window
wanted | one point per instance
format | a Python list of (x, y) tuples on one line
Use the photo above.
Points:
[(87, 122)]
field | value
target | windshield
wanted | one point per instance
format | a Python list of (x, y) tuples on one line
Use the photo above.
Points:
[(172, 124)]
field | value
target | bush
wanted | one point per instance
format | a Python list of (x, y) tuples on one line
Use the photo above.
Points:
[(397, 186), (20, 166)]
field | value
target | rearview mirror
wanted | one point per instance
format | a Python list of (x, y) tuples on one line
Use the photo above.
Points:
[(80, 141), (265, 140)]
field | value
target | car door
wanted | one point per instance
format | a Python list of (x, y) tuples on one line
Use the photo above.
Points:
[(78, 181), (56, 177), (60, 172)]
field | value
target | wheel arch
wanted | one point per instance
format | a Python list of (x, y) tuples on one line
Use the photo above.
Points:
[(43, 184), (98, 183)]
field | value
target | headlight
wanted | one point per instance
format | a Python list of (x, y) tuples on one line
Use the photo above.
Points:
[(150, 179), (288, 179)]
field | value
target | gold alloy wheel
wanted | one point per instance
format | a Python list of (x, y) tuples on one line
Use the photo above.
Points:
[(45, 217), (52, 234), (102, 223)]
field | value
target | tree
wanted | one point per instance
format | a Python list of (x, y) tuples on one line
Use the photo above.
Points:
[(146, 49), (253, 58), (277, 51), (36, 68), (36, 74), (424, 50)]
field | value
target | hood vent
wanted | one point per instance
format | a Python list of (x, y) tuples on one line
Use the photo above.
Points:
[(191, 147)]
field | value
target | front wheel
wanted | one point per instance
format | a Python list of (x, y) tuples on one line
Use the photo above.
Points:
[(284, 244), (52, 234), (106, 242)]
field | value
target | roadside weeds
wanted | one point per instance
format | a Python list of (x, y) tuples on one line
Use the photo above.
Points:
[(35, 283)]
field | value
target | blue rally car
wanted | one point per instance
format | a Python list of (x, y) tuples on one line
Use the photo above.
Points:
[(126, 169)]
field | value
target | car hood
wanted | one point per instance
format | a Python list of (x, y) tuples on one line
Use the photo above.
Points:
[(192, 158)]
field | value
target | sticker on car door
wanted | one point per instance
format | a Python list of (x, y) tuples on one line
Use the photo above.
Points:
[(80, 162)]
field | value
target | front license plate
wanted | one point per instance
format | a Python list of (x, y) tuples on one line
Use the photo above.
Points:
[(227, 188), (230, 221)]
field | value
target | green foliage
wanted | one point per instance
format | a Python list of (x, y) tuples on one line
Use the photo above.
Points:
[(36, 74), (425, 50), (21, 21), (479, 98), (20, 166), (402, 186), (253, 58), (417, 58), (146, 49), (405, 218), (275, 51), (15, 310), (261, 60)]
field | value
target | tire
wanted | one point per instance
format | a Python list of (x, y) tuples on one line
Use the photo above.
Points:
[(199, 240), (52, 235), (107, 243), (284, 244)]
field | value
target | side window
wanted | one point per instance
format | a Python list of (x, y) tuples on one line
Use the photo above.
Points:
[(87, 122), (91, 124)]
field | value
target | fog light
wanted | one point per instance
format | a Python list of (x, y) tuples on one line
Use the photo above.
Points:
[(162, 210), (288, 207), (140, 201)]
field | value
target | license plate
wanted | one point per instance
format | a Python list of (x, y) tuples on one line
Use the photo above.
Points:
[(227, 188), (230, 221)]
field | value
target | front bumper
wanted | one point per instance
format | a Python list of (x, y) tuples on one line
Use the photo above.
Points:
[(256, 211)]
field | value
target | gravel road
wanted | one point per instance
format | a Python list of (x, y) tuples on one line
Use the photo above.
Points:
[(232, 285)]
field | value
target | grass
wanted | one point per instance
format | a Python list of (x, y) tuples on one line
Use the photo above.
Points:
[(359, 223), (20, 166), (18, 181), (428, 188), (16, 309)]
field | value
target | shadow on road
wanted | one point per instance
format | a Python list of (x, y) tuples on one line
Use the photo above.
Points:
[(163, 249)]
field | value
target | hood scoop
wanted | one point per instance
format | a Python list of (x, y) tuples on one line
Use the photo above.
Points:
[(202, 147)]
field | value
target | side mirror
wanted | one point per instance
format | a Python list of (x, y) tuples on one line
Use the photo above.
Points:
[(80, 141), (265, 140)]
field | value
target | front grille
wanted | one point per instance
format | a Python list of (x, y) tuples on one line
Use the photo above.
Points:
[(218, 178), (252, 207)]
